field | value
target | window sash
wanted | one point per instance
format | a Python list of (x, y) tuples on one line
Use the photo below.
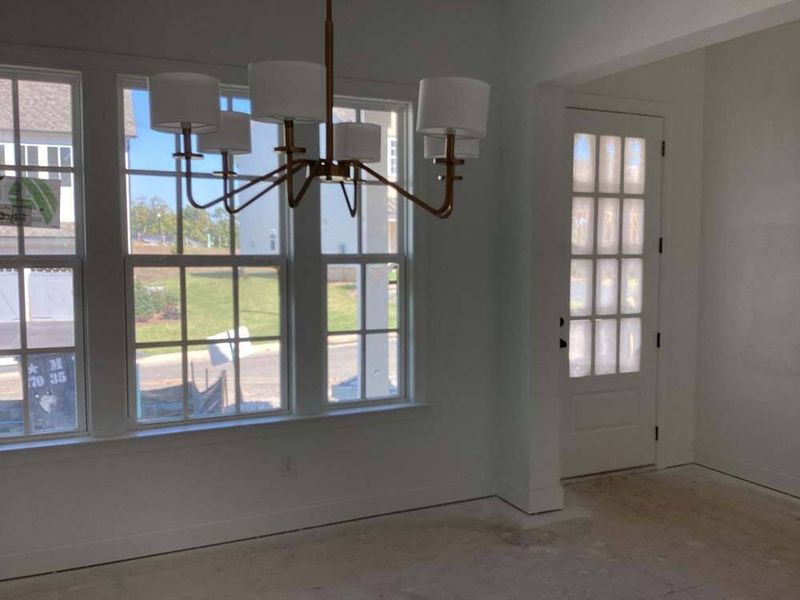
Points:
[(395, 147), (184, 261), (23, 260)]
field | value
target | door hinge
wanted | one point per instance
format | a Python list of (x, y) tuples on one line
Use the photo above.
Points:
[(663, 147), (658, 340), (661, 245), (656, 432)]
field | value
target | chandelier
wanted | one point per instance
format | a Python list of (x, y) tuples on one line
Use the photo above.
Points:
[(452, 114)]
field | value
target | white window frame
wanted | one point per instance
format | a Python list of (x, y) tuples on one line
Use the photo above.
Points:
[(73, 262), (184, 261), (362, 259)]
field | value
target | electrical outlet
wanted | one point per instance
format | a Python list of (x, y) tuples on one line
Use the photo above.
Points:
[(289, 466)]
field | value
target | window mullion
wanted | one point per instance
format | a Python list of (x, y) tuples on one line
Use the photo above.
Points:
[(307, 295)]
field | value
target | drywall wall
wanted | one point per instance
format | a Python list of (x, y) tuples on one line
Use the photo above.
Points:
[(573, 41), (748, 377), (68, 506), (679, 84)]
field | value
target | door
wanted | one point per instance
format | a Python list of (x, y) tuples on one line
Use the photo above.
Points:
[(609, 409)]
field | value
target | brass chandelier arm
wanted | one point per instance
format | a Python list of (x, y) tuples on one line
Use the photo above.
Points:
[(292, 166), (442, 211), (449, 178), (285, 177)]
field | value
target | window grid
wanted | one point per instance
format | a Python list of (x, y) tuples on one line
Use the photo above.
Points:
[(183, 261), (363, 259), (588, 187), (21, 265)]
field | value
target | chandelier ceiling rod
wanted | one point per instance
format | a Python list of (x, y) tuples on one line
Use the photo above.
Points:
[(452, 110)]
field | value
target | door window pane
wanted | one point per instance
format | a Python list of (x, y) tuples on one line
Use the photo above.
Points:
[(610, 164), (259, 302), (52, 393), (630, 345), (12, 420), (344, 383), (633, 226), (159, 384), (605, 347), (209, 302), (9, 309), (634, 165), (344, 297), (607, 286), (580, 288), (157, 304), (580, 348), (50, 316), (582, 225), (631, 286), (260, 376), (381, 368), (608, 226), (583, 162)]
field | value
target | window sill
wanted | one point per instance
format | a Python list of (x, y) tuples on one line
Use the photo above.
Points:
[(68, 448)]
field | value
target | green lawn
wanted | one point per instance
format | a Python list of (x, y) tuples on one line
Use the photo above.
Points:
[(209, 303)]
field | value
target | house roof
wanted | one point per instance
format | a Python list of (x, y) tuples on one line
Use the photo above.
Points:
[(46, 106)]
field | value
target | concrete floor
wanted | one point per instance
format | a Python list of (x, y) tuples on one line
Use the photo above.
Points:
[(685, 533)]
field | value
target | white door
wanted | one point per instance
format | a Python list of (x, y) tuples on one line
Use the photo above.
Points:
[(608, 412)]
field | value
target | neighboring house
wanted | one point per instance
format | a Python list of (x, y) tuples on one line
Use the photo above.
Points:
[(46, 140)]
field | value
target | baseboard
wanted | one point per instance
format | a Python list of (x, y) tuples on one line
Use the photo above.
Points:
[(96, 552), (781, 482), (531, 501)]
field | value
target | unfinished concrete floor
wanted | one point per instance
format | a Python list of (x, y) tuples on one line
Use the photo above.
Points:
[(685, 533)]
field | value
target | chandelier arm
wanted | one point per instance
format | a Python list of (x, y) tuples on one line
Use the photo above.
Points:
[(229, 194), (442, 212), (315, 171), (351, 208), (285, 177)]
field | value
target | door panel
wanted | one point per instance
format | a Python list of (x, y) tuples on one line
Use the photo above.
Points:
[(608, 410)]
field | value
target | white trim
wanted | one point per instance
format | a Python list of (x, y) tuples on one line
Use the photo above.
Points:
[(782, 482), (240, 528), (665, 111)]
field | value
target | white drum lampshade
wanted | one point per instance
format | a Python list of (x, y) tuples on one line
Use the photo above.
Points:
[(456, 105), (357, 141), (287, 90), (435, 147), (233, 137), (179, 100)]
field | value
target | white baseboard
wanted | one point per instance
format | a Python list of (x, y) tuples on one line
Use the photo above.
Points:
[(531, 501), (783, 482), (95, 552)]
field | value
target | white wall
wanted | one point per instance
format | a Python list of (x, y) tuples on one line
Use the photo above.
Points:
[(64, 507), (748, 378), (572, 41), (678, 83)]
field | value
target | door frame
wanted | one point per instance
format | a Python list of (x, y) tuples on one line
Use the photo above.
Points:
[(664, 111)]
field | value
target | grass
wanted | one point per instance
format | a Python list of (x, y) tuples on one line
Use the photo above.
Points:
[(209, 303)]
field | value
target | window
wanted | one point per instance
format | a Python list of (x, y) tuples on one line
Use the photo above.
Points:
[(41, 345), (364, 260), (206, 291), (606, 273)]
